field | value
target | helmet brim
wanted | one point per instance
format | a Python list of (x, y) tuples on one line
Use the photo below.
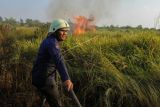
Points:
[(64, 29)]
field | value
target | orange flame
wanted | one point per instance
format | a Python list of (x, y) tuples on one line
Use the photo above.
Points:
[(83, 24)]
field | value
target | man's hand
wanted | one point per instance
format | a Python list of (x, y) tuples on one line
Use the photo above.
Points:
[(68, 85)]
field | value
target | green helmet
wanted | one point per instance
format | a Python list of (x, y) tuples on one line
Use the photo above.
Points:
[(58, 24)]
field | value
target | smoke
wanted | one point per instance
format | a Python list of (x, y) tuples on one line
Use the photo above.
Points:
[(67, 9)]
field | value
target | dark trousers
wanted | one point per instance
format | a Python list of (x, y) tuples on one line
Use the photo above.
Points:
[(50, 91)]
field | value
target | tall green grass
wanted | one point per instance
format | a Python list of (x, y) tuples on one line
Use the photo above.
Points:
[(116, 69), (109, 68)]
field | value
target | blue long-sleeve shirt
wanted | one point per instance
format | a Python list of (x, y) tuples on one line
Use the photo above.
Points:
[(49, 59)]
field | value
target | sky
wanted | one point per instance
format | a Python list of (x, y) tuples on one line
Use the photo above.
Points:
[(106, 12)]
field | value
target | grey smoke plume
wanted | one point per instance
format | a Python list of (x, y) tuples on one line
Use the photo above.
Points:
[(67, 9)]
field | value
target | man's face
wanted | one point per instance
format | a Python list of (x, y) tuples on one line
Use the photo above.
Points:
[(62, 34)]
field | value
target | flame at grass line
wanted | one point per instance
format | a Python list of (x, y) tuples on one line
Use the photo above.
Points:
[(83, 24)]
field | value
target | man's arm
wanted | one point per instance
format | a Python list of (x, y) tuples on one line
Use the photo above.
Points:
[(55, 53)]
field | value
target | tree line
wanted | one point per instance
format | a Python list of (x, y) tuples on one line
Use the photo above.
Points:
[(27, 22)]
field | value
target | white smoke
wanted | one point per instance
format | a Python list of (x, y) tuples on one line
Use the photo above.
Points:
[(67, 9)]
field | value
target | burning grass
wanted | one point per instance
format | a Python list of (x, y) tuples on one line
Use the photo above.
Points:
[(83, 24)]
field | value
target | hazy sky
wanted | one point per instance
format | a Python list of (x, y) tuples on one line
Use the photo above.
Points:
[(106, 12)]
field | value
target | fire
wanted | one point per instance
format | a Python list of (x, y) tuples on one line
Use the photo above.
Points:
[(83, 24)]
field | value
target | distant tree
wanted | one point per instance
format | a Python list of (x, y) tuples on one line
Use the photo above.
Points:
[(10, 20), (29, 22), (111, 26), (36, 23), (1, 19), (21, 22), (139, 27), (126, 27)]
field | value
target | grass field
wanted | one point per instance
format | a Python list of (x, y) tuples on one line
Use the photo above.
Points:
[(111, 67)]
